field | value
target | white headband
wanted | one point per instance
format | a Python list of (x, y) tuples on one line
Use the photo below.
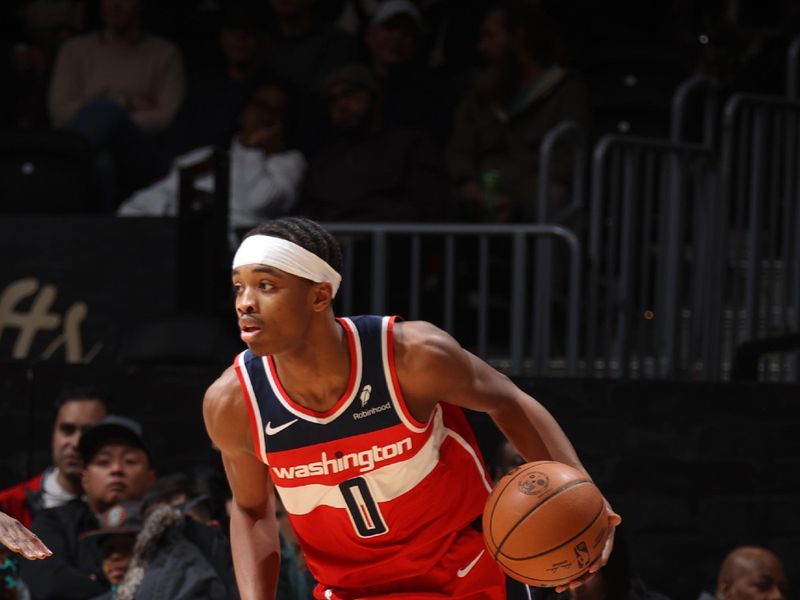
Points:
[(286, 256)]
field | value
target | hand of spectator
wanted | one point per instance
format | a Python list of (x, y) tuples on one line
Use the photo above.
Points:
[(269, 139), (19, 539), (613, 520)]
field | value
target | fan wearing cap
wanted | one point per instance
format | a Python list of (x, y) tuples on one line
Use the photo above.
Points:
[(115, 538), (413, 96), (117, 468), (357, 424)]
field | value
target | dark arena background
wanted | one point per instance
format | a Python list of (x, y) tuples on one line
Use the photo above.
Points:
[(621, 239)]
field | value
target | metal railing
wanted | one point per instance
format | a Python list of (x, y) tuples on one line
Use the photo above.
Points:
[(566, 132), (558, 135), (682, 105), (793, 69), (757, 284), (475, 281), (648, 258)]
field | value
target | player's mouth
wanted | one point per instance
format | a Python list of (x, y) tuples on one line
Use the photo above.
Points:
[(249, 328)]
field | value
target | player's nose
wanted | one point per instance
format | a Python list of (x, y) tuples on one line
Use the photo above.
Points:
[(245, 303)]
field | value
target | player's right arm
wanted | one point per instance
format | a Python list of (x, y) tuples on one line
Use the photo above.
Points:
[(254, 528)]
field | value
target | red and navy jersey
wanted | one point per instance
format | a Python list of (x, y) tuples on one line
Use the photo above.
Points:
[(373, 494)]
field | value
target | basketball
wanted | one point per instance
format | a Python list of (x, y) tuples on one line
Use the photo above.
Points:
[(545, 523)]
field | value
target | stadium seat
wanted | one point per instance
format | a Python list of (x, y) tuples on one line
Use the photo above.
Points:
[(47, 172)]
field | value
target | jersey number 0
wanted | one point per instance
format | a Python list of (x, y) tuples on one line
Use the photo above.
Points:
[(364, 511)]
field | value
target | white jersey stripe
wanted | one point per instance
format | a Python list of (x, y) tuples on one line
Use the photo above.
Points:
[(387, 371), (254, 410), (466, 445), (385, 483)]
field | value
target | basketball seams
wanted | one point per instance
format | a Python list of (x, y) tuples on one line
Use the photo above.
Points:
[(543, 501), (556, 580), (596, 516), (557, 553), (496, 494)]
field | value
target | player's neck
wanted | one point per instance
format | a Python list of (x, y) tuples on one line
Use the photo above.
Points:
[(316, 375)]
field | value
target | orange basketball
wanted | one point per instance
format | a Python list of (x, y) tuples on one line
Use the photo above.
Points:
[(545, 523)]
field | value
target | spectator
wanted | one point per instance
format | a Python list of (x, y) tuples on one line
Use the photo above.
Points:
[(210, 112), (411, 96), (750, 573), (76, 410), (33, 30), (499, 125), (181, 491), (372, 172), (304, 48), (164, 562), (118, 87), (118, 467), (115, 539), (265, 173)]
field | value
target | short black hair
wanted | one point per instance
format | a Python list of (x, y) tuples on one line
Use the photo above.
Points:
[(82, 393), (305, 233)]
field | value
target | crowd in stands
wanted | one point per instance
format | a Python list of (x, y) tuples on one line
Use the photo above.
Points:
[(378, 111)]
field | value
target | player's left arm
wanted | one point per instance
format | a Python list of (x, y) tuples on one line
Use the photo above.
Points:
[(433, 367)]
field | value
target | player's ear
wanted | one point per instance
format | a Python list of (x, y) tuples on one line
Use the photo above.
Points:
[(321, 296)]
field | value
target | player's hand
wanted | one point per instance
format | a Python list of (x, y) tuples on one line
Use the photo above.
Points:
[(16, 537), (613, 520)]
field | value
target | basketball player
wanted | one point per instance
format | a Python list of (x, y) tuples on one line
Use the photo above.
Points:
[(357, 424), (18, 538)]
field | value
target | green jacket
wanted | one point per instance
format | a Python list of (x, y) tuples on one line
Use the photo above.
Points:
[(488, 139)]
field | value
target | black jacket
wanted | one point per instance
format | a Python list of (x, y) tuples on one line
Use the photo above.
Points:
[(73, 572)]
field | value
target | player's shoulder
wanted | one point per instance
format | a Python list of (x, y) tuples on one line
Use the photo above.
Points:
[(420, 333), (223, 398), (421, 344)]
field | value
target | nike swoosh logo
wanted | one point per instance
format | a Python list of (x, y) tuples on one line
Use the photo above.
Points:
[(273, 430), (465, 571)]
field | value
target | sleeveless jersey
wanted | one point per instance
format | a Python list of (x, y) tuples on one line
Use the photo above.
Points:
[(374, 495)]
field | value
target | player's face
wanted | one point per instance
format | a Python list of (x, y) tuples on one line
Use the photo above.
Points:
[(273, 308), (73, 418), (117, 472)]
